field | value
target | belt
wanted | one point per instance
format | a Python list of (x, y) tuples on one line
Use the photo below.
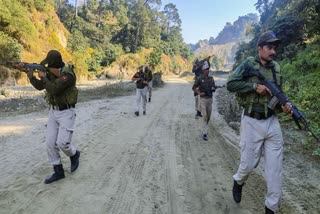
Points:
[(258, 115), (61, 108)]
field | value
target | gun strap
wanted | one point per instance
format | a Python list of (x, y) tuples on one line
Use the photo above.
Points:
[(274, 75)]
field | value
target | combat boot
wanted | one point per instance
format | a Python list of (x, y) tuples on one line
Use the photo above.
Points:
[(268, 211), (205, 137), (237, 191), (144, 112), (149, 99), (75, 161), (136, 113), (57, 175)]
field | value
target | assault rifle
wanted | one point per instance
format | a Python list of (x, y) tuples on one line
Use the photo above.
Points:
[(26, 67), (198, 64), (280, 97)]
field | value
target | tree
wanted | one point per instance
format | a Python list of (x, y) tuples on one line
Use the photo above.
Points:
[(172, 16)]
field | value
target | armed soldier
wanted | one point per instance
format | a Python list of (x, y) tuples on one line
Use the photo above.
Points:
[(197, 70), (148, 75), (141, 91), (260, 131), (204, 86), (59, 81)]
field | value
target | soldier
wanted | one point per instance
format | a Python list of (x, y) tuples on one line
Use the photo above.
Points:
[(141, 91), (197, 70), (204, 86), (60, 85), (260, 132), (148, 75)]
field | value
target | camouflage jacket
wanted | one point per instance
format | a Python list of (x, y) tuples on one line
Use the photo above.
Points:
[(242, 82), (60, 91), (205, 84), (140, 84)]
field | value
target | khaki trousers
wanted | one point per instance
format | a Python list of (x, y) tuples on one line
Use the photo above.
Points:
[(262, 138), (59, 133), (205, 108)]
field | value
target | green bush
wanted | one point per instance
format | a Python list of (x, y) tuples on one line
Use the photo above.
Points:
[(10, 48)]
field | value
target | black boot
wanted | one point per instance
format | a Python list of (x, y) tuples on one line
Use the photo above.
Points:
[(75, 161), (268, 211), (236, 192), (57, 175)]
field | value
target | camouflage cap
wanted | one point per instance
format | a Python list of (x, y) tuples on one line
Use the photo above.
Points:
[(140, 66), (268, 37), (53, 57)]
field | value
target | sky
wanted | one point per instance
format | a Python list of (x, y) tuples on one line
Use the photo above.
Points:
[(202, 19)]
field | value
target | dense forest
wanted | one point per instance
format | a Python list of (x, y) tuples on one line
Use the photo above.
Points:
[(296, 23), (95, 35)]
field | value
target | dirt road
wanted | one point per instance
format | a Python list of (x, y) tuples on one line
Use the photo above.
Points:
[(153, 164)]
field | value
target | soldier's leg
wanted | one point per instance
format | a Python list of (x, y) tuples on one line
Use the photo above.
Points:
[(273, 155), (150, 89), (252, 133), (144, 98), (138, 98), (204, 112), (51, 139), (66, 119), (209, 109)]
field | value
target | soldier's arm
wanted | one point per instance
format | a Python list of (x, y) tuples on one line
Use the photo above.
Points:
[(236, 82), (60, 84), (213, 85), (135, 77), (36, 83), (196, 85)]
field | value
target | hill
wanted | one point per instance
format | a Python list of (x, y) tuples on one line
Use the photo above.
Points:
[(226, 43)]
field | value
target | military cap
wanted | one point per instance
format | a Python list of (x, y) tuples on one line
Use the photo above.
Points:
[(268, 37), (53, 58)]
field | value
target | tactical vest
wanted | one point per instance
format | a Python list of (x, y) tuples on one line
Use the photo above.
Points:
[(252, 101), (70, 95)]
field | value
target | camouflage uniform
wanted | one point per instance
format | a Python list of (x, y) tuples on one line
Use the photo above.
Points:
[(61, 94), (260, 131)]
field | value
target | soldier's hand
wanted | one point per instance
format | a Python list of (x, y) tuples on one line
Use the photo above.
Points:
[(263, 90), (30, 74), (287, 108), (41, 74)]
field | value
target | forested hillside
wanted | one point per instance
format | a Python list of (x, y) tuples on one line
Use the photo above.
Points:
[(224, 46), (96, 35), (296, 23)]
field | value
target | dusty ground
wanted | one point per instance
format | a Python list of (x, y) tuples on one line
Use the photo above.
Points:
[(153, 164)]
